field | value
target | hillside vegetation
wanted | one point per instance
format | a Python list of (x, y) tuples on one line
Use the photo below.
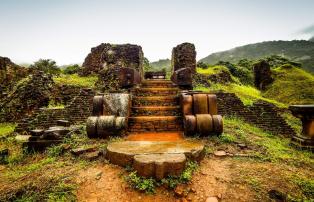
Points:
[(161, 64), (76, 80), (291, 85), (301, 51)]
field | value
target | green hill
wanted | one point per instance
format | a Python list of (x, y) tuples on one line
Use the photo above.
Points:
[(161, 64), (291, 85), (312, 39), (301, 51)]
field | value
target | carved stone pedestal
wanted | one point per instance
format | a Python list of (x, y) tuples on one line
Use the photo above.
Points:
[(306, 114)]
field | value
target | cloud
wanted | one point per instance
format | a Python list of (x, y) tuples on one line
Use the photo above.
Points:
[(308, 30)]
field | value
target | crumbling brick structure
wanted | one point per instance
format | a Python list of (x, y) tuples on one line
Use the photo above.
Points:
[(118, 66), (10, 73), (262, 75), (31, 93), (183, 64)]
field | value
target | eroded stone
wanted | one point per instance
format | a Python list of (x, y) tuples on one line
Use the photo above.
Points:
[(159, 165), (122, 153)]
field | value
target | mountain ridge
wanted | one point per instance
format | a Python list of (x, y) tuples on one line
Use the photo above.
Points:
[(301, 51)]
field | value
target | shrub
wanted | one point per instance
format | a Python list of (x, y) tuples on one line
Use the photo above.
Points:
[(46, 65), (143, 184), (71, 69)]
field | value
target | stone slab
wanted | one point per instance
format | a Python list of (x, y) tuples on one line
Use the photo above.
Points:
[(22, 138), (122, 153)]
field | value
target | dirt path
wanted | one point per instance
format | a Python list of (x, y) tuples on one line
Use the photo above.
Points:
[(112, 187), (213, 178)]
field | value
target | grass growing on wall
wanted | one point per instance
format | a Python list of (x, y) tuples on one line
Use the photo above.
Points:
[(76, 80), (6, 128)]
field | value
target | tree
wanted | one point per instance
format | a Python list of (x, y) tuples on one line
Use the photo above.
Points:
[(71, 69), (146, 65), (46, 65), (202, 65)]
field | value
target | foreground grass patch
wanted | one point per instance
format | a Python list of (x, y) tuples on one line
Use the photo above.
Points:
[(268, 147), (148, 185), (246, 93), (76, 80)]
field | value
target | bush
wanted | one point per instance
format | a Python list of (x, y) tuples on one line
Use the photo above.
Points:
[(244, 73), (143, 184), (202, 65), (46, 65), (71, 69), (185, 177)]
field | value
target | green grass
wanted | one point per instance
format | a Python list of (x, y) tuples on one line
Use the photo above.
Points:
[(6, 128), (211, 70), (62, 192), (305, 184), (293, 121), (227, 138), (268, 147), (16, 171), (148, 185), (55, 106), (76, 80), (246, 93), (254, 183), (291, 86)]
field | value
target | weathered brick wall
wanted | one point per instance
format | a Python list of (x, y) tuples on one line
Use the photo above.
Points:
[(76, 111), (10, 73), (183, 63), (184, 56), (81, 106), (63, 94), (106, 56), (28, 95), (262, 114)]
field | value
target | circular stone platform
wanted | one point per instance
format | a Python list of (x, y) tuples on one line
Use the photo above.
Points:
[(155, 159)]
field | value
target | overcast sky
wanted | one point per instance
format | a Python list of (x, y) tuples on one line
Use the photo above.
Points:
[(65, 30)]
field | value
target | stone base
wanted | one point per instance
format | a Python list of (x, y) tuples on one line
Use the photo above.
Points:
[(155, 159), (159, 165)]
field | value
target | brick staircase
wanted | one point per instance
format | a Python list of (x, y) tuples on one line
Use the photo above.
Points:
[(155, 107), (262, 114)]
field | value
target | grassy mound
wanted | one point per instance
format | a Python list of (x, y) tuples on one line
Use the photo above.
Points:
[(76, 80), (211, 70), (291, 86)]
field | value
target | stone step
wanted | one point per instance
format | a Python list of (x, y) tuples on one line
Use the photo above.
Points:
[(155, 101), (155, 123), (155, 91), (158, 83), (156, 111), (156, 136)]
